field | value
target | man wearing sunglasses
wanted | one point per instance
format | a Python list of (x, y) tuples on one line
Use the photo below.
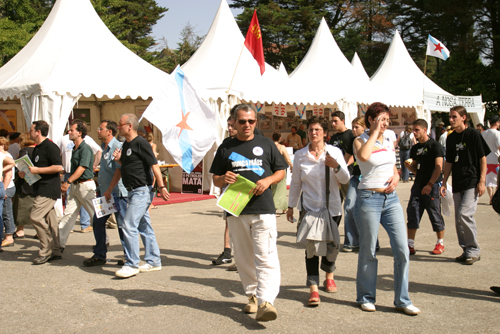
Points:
[(254, 231)]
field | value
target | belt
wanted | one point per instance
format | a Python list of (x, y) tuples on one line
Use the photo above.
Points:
[(81, 181), (132, 188)]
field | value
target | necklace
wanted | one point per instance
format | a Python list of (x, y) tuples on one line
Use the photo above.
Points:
[(317, 152)]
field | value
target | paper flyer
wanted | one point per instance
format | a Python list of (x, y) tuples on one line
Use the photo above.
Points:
[(23, 165), (236, 196), (104, 207)]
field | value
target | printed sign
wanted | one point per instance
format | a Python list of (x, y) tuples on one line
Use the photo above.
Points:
[(192, 183)]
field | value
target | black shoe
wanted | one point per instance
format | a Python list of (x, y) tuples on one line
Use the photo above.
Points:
[(470, 260), (224, 257), (461, 258), (495, 289), (15, 236), (93, 261), (61, 249), (41, 260), (55, 258)]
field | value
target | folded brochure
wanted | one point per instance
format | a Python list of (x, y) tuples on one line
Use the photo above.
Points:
[(236, 196), (23, 164), (104, 207)]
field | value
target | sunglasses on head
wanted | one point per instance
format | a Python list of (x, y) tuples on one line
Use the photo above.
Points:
[(250, 121)]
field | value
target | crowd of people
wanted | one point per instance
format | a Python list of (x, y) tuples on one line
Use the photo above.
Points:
[(358, 167), (68, 167), (353, 175)]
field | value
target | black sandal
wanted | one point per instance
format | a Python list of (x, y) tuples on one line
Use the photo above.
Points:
[(93, 261), (15, 236)]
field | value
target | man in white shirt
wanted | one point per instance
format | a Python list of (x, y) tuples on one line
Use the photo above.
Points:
[(66, 146), (492, 138)]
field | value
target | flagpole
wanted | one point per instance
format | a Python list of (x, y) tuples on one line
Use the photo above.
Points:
[(234, 73), (425, 65)]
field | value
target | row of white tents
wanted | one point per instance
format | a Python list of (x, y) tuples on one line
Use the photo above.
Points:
[(74, 59)]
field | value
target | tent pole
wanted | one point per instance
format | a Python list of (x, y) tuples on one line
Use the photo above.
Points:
[(234, 73)]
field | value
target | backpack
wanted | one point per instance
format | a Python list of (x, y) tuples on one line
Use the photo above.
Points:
[(405, 142)]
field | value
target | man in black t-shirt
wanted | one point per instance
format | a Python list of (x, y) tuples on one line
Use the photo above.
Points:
[(48, 165), (137, 160), (427, 164), (466, 153), (254, 231), (343, 139)]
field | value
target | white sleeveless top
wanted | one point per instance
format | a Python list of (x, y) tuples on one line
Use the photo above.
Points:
[(2, 156), (380, 166)]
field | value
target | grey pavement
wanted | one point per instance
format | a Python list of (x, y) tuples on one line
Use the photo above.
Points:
[(190, 295)]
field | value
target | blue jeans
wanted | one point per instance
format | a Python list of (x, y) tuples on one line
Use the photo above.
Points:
[(84, 216), (403, 156), (135, 222), (2, 196), (372, 209), (350, 229), (100, 249), (7, 213)]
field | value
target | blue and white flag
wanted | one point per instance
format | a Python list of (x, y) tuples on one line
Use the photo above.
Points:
[(185, 121), (436, 49)]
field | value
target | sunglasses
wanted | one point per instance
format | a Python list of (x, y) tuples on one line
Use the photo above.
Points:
[(244, 121)]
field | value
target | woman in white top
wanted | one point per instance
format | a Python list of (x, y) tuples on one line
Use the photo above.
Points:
[(10, 191), (6, 165), (308, 177), (377, 203)]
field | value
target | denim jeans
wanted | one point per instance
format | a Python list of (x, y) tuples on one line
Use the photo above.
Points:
[(135, 222), (7, 213), (372, 209), (2, 196), (350, 230), (403, 156), (84, 216), (100, 249)]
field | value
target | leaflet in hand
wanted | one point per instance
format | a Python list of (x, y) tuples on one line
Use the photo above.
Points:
[(236, 196), (23, 165), (104, 207)]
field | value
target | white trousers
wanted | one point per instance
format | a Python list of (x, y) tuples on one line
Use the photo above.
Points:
[(255, 252), (79, 194)]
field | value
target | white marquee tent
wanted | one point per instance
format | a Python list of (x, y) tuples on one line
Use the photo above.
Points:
[(402, 83), (73, 55)]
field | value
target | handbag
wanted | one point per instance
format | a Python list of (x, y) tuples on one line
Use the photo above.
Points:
[(495, 201), (317, 229)]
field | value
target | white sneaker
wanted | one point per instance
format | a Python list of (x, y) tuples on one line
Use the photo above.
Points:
[(147, 268), (127, 271), (368, 307), (410, 309)]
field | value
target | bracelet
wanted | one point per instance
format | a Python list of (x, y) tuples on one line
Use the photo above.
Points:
[(162, 187), (430, 184), (336, 169)]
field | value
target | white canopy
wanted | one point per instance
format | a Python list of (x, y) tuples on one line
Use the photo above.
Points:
[(74, 54), (358, 67), (402, 83), (212, 66)]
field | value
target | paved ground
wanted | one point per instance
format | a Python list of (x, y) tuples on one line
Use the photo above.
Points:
[(191, 296)]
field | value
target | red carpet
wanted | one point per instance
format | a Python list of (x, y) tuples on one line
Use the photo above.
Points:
[(181, 198)]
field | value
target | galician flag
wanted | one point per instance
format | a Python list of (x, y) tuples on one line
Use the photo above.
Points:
[(253, 42), (436, 49), (185, 121)]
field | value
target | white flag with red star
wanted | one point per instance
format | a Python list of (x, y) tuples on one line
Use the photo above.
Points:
[(436, 49), (186, 122)]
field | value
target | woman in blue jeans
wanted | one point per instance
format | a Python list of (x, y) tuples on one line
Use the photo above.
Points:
[(6, 165), (377, 203)]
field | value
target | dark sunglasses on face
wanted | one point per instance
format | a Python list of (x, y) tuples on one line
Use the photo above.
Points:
[(250, 121)]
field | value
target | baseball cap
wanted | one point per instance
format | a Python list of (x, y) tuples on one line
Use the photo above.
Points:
[(441, 123)]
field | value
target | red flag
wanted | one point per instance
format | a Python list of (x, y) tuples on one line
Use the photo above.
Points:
[(253, 42)]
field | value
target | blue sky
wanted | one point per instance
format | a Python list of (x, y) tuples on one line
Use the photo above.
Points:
[(200, 13)]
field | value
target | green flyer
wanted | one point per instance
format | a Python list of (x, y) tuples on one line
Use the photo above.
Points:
[(236, 196)]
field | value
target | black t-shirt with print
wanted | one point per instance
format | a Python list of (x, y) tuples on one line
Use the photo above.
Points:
[(137, 159), (344, 141), (47, 154), (425, 155), (469, 147), (255, 159)]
